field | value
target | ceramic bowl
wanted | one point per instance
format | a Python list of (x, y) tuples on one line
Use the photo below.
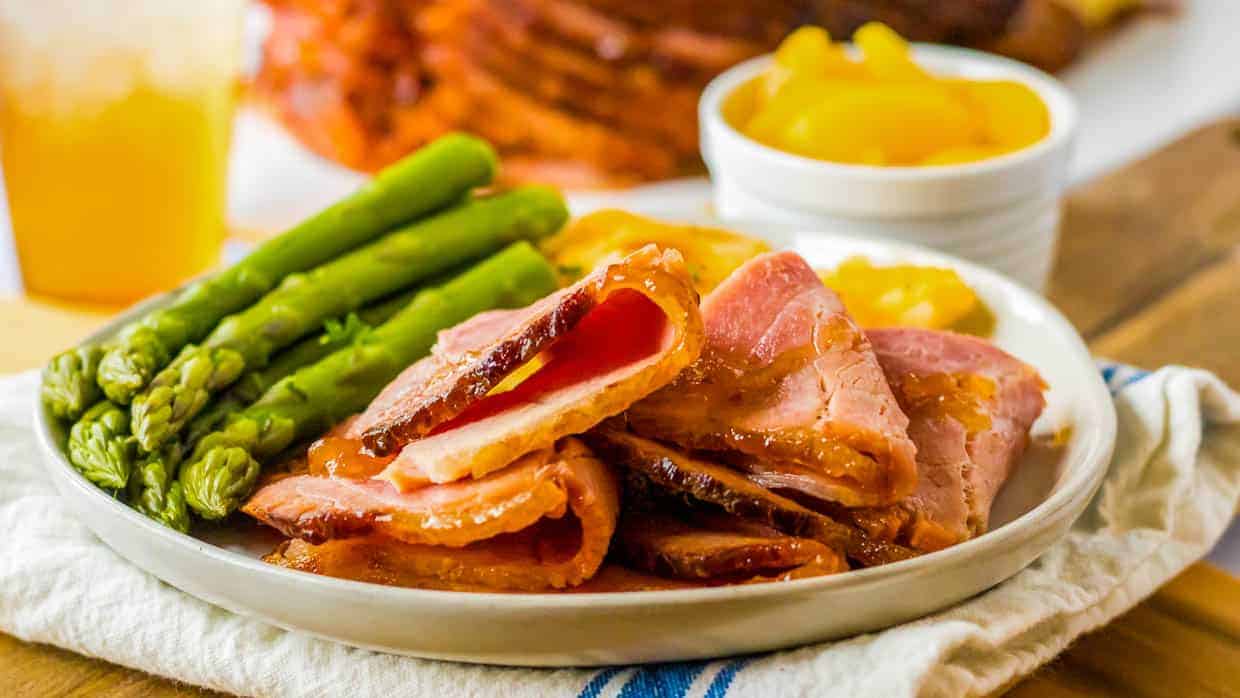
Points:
[(1002, 212)]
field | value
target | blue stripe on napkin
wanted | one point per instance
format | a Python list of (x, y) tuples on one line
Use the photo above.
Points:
[(1120, 376), (597, 683), (662, 680), (723, 680), (667, 680)]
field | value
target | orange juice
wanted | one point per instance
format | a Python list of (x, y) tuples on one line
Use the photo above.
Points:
[(114, 130)]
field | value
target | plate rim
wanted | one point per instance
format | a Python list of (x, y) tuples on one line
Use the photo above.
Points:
[(1067, 499)]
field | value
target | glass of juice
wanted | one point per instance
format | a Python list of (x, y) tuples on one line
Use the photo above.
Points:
[(115, 117)]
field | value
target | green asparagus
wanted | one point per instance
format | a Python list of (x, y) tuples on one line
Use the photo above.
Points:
[(100, 445), (69, 381), (338, 335), (429, 179), (226, 463), (153, 486), (303, 301), (154, 491)]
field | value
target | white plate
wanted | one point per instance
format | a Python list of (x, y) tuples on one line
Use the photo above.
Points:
[(1033, 511)]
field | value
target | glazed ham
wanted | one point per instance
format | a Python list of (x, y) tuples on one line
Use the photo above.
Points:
[(788, 388), (723, 488), (970, 406), (510, 382), (722, 548), (543, 522)]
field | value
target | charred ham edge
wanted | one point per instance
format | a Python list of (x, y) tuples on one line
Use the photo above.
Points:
[(971, 406), (580, 355), (667, 546), (563, 548), (788, 381), (718, 485)]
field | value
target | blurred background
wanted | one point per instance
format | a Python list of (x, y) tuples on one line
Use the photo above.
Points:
[(593, 95)]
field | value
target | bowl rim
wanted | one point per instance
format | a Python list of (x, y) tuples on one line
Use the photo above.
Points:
[(1054, 94), (1068, 498)]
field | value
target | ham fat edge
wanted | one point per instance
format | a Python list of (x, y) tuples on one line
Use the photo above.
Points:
[(544, 522), (588, 352)]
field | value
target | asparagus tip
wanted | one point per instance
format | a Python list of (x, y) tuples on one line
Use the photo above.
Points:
[(215, 484), (69, 386)]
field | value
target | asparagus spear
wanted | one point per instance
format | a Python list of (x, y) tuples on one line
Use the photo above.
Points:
[(155, 492), (303, 301), (153, 486), (226, 463), (252, 385), (69, 381), (427, 180), (100, 446)]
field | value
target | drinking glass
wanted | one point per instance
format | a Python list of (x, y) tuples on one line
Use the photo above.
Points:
[(115, 118)]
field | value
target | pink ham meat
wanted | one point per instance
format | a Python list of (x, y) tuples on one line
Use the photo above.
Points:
[(544, 522), (622, 332), (788, 388), (970, 406), (721, 547)]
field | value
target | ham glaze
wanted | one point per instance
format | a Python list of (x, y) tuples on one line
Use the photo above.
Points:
[(720, 486), (789, 388), (581, 355), (970, 406), (720, 548), (544, 522)]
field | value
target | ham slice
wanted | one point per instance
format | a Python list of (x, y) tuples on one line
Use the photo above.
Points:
[(719, 486), (545, 522), (788, 387), (727, 549), (970, 406), (509, 382)]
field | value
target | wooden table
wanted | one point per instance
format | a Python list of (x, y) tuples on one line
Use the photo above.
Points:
[(1149, 271)]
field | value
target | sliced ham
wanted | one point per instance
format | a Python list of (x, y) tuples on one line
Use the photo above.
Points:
[(730, 549), (722, 487), (510, 382), (544, 522), (788, 387), (970, 406)]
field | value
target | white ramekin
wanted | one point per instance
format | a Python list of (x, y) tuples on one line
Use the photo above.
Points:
[(1002, 212)]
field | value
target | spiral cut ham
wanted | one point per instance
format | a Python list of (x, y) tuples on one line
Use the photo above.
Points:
[(510, 382), (544, 522), (582, 93), (970, 406), (788, 388)]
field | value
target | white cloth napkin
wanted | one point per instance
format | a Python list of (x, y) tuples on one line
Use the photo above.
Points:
[(1172, 489)]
